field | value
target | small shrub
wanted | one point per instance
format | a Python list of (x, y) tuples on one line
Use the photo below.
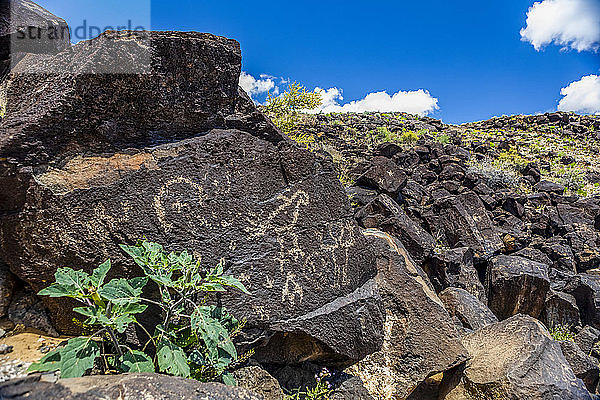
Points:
[(562, 332), (409, 137), (194, 339), (321, 391), (285, 109), (498, 174), (443, 139), (513, 158)]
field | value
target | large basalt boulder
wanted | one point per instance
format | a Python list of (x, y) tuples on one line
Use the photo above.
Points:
[(454, 268), (469, 312), (275, 212), (516, 285), (585, 288), (123, 387), (560, 309), (385, 214), (420, 337), (584, 367), (515, 359), (259, 381), (464, 222), (26, 27), (383, 175)]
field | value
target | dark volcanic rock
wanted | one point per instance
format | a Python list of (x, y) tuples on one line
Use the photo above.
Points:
[(383, 175), (186, 84), (275, 212), (7, 285), (516, 285), (258, 381), (560, 309), (586, 291), (584, 366), (464, 222), (385, 214), (470, 312), (587, 338), (514, 359), (124, 387), (454, 268), (25, 27), (284, 227), (420, 337)]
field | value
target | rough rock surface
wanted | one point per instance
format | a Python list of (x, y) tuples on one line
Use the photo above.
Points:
[(420, 338), (275, 212), (514, 359), (258, 381), (385, 214), (467, 309), (560, 309), (454, 268), (20, 17), (464, 222), (124, 386), (7, 285), (584, 366), (516, 285)]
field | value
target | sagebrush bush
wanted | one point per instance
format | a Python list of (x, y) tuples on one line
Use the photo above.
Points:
[(497, 174)]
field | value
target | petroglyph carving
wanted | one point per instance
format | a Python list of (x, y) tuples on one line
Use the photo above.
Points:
[(180, 196)]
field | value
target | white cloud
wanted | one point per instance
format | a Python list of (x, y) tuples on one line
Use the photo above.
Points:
[(255, 87), (414, 102), (582, 96), (567, 23)]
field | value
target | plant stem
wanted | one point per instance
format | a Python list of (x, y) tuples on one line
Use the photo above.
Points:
[(114, 340)]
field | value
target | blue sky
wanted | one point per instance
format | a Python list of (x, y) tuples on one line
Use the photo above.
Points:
[(467, 54)]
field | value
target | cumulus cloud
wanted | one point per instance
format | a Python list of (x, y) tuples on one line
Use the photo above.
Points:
[(414, 102), (255, 87), (567, 23), (582, 96)]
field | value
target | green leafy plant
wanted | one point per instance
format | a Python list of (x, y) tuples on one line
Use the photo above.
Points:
[(409, 137), (284, 110), (443, 139), (562, 332), (321, 391), (194, 338)]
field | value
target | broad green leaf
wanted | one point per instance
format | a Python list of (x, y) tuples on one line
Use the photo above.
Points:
[(131, 308), (58, 290), (77, 357), (211, 287), (87, 311), (122, 322), (99, 274), (50, 362), (138, 283), (172, 359), (229, 379), (119, 291), (136, 361), (208, 328), (232, 282), (76, 280), (227, 345)]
